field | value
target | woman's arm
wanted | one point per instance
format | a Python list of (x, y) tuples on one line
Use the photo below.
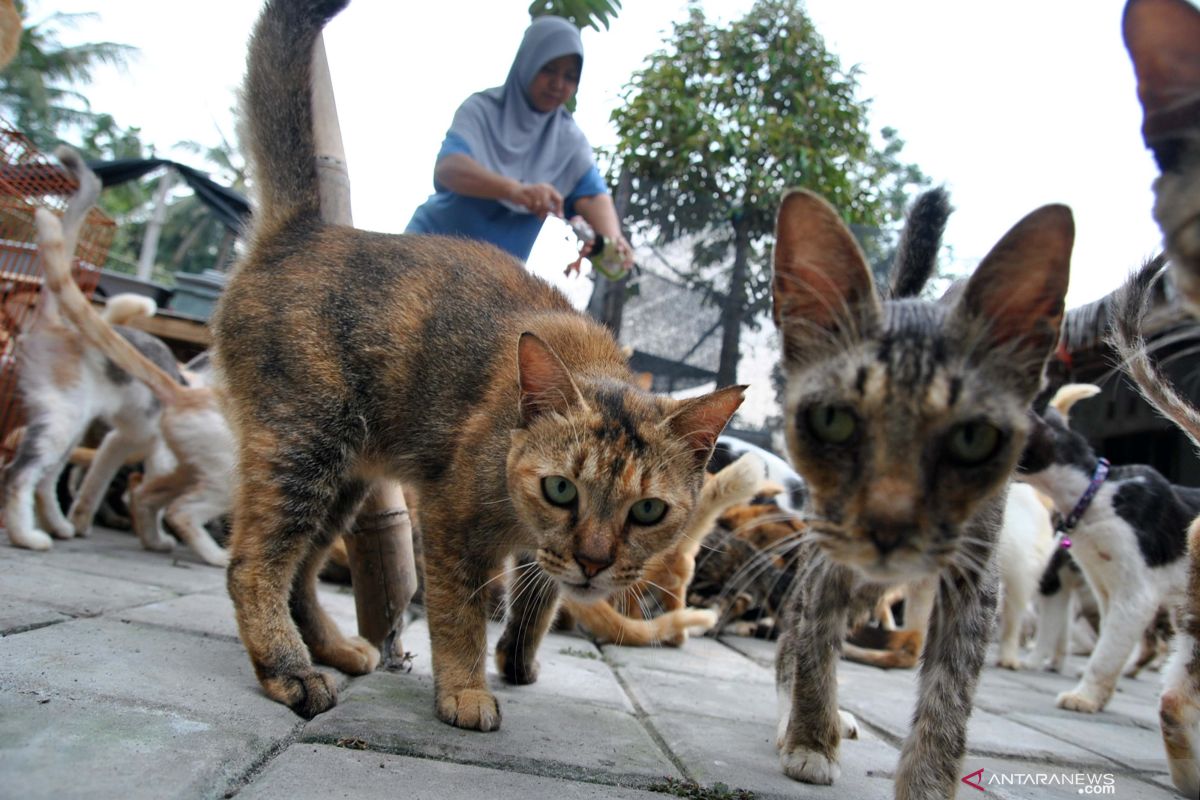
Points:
[(601, 214), (463, 175)]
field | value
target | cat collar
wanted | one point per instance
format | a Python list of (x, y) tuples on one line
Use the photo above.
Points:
[(1068, 523)]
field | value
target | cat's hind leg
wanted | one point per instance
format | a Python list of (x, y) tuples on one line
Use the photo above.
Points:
[(115, 449), (810, 725), (187, 515), (281, 505), (43, 445), (532, 603)]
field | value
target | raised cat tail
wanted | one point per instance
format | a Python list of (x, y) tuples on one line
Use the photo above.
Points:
[(276, 124), (916, 255), (56, 243), (1129, 311)]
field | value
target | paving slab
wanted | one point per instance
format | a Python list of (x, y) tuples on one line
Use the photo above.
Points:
[(313, 770), (702, 657), (120, 555), (657, 691), (70, 592), (53, 746), (541, 734), (742, 755), (17, 615), (107, 659)]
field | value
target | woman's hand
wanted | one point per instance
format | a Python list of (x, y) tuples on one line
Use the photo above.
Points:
[(541, 199)]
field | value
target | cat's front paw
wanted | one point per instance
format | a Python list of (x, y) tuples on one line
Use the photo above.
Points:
[(515, 669), (353, 655), (473, 709), (1080, 700), (61, 529), (809, 766), (308, 694)]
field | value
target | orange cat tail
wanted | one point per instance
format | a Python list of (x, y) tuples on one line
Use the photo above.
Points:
[(607, 625)]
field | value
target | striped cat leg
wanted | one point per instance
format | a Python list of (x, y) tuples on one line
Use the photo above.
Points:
[(532, 603), (278, 519), (456, 606), (810, 726), (955, 650), (353, 655)]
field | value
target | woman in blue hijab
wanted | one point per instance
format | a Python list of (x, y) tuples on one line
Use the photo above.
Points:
[(514, 155)]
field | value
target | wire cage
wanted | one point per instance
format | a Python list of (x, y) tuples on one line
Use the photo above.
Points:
[(30, 180)]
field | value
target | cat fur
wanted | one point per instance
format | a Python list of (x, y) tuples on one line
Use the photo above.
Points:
[(65, 385), (917, 381), (350, 357), (197, 489), (1131, 542)]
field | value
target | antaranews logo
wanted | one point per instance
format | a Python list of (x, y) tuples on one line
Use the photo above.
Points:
[(1085, 783)]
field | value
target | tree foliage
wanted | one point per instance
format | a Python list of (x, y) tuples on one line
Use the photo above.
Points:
[(39, 90), (583, 13), (722, 120)]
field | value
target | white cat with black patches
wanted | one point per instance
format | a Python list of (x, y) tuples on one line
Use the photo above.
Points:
[(1129, 539)]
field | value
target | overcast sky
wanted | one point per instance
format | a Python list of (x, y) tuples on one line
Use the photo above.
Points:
[(1011, 105)]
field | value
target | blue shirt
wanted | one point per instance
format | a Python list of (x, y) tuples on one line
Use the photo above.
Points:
[(454, 214)]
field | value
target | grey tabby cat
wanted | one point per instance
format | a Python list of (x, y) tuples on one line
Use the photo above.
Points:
[(905, 418)]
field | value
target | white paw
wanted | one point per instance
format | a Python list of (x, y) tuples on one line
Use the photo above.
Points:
[(849, 725), (1010, 662), (30, 539), (61, 529), (810, 767), (159, 543), (1076, 700)]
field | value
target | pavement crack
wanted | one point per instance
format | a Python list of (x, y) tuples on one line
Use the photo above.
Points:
[(643, 719)]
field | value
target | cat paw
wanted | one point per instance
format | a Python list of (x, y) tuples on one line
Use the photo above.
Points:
[(809, 766), (307, 694), (352, 655), (215, 556), (1080, 701), (1010, 662), (159, 544), (473, 709), (517, 671), (61, 529), (81, 524), (848, 725), (30, 539)]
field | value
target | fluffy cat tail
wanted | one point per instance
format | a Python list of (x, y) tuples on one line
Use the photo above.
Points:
[(276, 125), (56, 244), (1129, 312)]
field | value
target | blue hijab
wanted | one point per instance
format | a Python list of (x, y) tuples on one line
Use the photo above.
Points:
[(506, 134)]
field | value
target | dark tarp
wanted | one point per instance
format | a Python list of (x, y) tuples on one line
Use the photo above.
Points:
[(231, 207)]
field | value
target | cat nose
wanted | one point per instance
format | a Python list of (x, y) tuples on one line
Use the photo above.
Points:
[(887, 537), (592, 566)]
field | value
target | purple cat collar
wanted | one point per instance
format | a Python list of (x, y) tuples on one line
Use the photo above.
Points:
[(1081, 507)]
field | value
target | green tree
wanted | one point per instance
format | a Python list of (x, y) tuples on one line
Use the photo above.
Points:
[(584, 13), (39, 90), (721, 121)]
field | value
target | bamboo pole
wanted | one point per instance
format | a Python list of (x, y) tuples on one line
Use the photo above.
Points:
[(379, 544)]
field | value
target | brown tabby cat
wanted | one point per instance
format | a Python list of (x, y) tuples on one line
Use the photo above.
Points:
[(349, 356), (905, 419), (1163, 39)]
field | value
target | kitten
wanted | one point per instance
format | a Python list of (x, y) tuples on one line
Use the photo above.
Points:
[(905, 419), (65, 384), (197, 489), (350, 356), (623, 619)]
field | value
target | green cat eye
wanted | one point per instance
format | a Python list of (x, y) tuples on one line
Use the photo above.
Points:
[(832, 424), (973, 442), (648, 511), (558, 490)]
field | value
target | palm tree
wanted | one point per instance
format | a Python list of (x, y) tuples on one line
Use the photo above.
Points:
[(39, 89)]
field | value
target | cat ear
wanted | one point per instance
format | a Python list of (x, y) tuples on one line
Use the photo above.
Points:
[(545, 382), (700, 420), (1162, 36), (822, 284), (1018, 290)]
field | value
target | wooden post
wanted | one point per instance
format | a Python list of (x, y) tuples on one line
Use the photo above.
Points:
[(379, 545)]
